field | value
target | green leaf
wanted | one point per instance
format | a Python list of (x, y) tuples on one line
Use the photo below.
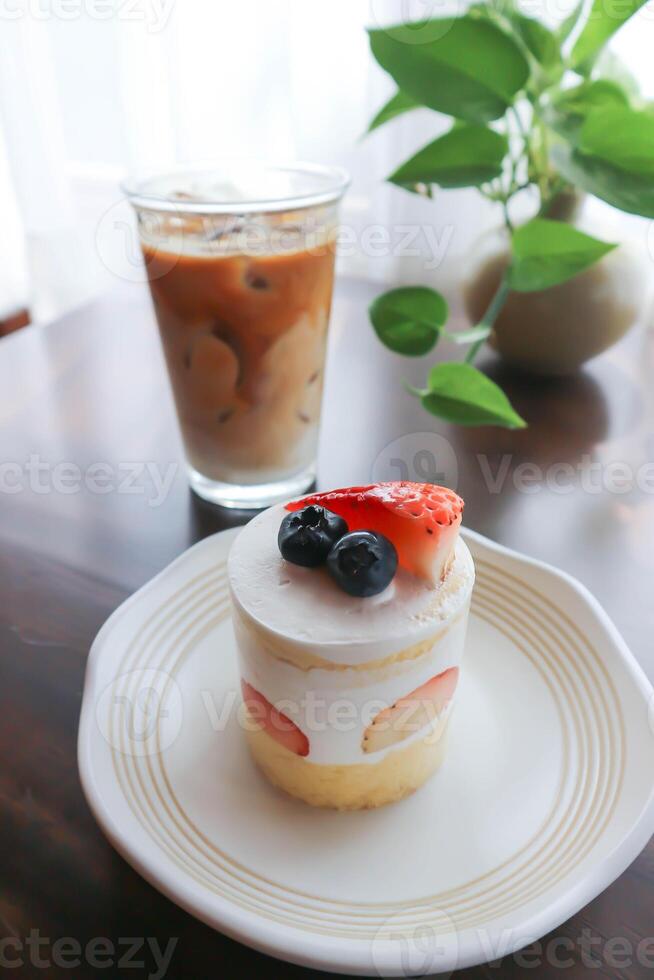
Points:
[(621, 137), (536, 40), (466, 66), (583, 98), (467, 156), (613, 159), (567, 26), (633, 193), (399, 104), (569, 108), (409, 320), (542, 43), (471, 336), (604, 19), (546, 253), (460, 393)]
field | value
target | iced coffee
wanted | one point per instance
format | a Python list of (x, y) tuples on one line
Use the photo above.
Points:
[(242, 299)]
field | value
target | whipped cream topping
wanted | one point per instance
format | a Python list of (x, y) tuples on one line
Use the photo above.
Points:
[(305, 607)]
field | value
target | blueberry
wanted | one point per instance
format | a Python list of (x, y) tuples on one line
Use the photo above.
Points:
[(363, 563), (306, 536)]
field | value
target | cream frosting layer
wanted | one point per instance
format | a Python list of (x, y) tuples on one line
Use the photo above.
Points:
[(305, 608), (334, 707)]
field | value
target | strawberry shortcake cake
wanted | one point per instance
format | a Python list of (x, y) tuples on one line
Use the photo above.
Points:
[(350, 610)]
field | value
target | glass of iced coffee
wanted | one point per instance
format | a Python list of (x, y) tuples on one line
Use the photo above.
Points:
[(240, 262)]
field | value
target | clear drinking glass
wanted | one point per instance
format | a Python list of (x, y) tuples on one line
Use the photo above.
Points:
[(240, 261)]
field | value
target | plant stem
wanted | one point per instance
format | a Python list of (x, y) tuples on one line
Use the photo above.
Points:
[(491, 314), (507, 217), (536, 158)]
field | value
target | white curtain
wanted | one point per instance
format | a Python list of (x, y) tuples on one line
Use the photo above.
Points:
[(14, 282), (88, 92)]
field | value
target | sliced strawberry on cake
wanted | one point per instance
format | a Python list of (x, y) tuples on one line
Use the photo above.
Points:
[(413, 713), (276, 724), (422, 520)]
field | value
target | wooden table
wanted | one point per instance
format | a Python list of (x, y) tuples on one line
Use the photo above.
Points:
[(91, 389)]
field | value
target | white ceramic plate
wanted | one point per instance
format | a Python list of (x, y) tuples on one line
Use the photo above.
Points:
[(545, 797)]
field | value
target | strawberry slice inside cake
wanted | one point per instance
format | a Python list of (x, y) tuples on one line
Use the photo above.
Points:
[(274, 722), (421, 709)]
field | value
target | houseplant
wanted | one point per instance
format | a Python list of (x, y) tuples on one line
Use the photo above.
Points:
[(532, 111)]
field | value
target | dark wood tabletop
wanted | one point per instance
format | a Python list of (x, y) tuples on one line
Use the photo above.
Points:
[(88, 395)]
